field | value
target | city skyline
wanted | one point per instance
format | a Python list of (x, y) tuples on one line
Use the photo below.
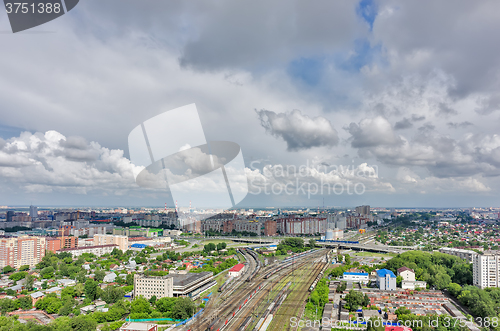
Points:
[(364, 86)]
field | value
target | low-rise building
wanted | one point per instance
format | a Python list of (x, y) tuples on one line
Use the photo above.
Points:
[(407, 274), (135, 326), (411, 285), (356, 277), (96, 250), (237, 270)]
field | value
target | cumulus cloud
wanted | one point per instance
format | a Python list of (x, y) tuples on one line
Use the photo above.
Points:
[(372, 132), (299, 131), (50, 162), (316, 179)]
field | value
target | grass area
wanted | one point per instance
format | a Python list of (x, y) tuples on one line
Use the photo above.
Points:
[(374, 254), (220, 280)]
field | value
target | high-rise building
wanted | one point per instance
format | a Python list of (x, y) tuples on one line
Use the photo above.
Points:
[(33, 212), (486, 270), (53, 244), (301, 225), (270, 228), (363, 210), (109, 239), (9, 215), (19, 251)]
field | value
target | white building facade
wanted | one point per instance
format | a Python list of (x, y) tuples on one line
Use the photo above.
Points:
[(485, 270)]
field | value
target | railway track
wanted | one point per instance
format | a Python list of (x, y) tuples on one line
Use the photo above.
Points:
[(296, 299), (212, 309), (277, 282), (221, 313)]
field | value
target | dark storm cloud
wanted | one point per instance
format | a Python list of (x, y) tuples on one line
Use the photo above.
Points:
[(299, 131)]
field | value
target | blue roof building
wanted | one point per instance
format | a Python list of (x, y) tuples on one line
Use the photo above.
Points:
[(386, 280)]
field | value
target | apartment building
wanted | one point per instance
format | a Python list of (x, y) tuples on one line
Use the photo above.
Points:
[(486, 269), (110, 239), (461, 253), (270, 228), (302, 225), (159, 286), (96, 250), (19, 251)]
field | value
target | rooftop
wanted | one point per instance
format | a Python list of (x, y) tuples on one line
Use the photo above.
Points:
[(384, 272), (237, 267), (356, 273)]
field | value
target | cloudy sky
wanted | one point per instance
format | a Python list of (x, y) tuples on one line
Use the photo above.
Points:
[(404, 95)]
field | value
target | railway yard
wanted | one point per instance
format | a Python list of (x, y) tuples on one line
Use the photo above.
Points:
[(263, 297)]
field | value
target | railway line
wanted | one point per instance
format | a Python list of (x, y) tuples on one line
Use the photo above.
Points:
[(277, 281), (296, 299), (232, 308)]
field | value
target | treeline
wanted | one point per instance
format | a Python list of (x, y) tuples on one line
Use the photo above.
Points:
[(175, 308), (482, 303), (296, 245), (437, 269)]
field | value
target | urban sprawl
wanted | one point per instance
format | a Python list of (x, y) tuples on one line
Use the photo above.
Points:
[(165, 268)]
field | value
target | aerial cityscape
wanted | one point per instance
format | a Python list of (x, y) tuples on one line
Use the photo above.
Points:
[(224, 165), (245, 269)]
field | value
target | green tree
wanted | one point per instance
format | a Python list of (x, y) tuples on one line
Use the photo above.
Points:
[(99, 275), (24, 267), (91, 287), (25, 303), (399, 281), (18, 276), (209, 247), (8, 269), (130, 279), (454, 289), (112, 294), (29, 280), (140, 305), (347, 259), (184, 308), (47, 272), (375, 324), (165, 304), (82, 323), (402, 311), (66, 309), (354, 299), (152, 300)]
